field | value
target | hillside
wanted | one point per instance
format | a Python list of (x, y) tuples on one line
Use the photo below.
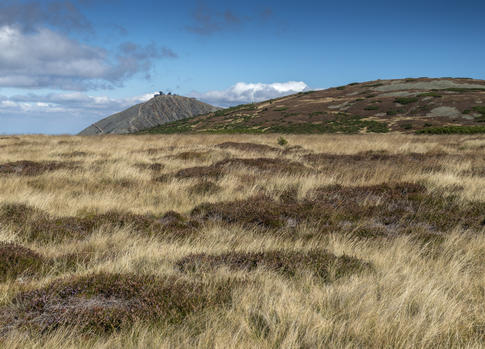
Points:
[(157, 111), (445, 105)]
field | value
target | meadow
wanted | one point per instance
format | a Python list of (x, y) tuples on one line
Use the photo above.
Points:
[(241, 241)]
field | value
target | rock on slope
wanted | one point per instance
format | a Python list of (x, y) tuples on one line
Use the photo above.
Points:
[(155, 112), (400, 105)]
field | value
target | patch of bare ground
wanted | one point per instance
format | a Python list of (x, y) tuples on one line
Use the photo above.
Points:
[(34, 168), (104, 303), (323, 264), (248, 147), (36, 225)]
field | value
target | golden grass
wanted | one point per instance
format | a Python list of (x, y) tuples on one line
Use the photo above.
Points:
[(422, 294)]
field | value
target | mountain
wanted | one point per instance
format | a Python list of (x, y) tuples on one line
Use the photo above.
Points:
[(157, 111), (422, 105)]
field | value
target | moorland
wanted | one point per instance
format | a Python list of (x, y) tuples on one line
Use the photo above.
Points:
[(299, 241)]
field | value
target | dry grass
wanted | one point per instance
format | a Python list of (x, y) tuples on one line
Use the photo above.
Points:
[(335, 241)]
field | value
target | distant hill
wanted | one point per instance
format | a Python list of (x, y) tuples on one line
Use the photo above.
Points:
[(445, 105), (155, 112)]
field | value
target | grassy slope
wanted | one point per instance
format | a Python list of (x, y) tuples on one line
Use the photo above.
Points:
[(396, 261), (355, 108)]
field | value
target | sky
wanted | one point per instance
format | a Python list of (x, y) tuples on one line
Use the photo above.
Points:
[(67, 64)]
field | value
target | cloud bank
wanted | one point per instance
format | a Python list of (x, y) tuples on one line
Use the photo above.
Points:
[(242, 93), (46, 59)]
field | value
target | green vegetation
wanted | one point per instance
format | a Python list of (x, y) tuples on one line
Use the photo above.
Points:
[(481, 110), (464, 89), (375, 85), (240, 107), (431, 94), (452, 130), (406, 100), (282, 141), (341, 124), (16, 260), (281, 109), (372, 107), (315, 113)]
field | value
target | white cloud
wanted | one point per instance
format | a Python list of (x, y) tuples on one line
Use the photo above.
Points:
[(250, 92), (59, 112), (44, 58)]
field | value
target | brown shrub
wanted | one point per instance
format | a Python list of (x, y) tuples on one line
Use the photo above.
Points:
[(322, 263), (164, 178), (75, 154), (103, 303), (256, 211), (204, 187), (395, 208), (200, 172), (32, 168), (247, 147), (155, 151), (36, 225), (373, 156), (191, 155), (217, 170), (155, 167), (266, 164), (16, 260)]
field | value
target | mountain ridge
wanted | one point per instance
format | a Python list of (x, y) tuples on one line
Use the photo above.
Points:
[(399, 105)]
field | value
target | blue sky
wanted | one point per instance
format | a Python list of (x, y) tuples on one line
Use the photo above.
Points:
[(66, 64)]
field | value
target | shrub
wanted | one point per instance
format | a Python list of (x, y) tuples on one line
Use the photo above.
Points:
[(406, 100), (252, 147), (322, 263), (282, 141), (36, 225), (204, 187), (103, 303), (33, 168), (452, 130), (16, 260)]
